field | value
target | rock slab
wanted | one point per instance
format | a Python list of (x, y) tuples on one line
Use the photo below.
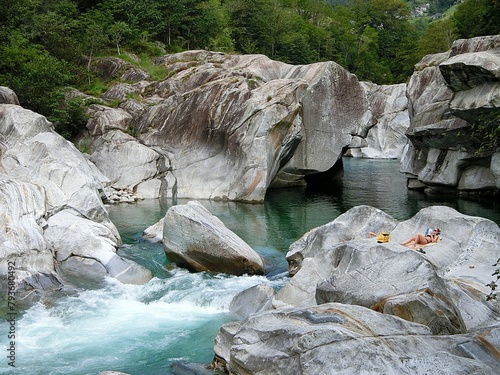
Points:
[(195, 239)]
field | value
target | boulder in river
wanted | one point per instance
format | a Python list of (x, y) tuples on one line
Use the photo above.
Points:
[(353, 224), (345, 339), (195, 239)]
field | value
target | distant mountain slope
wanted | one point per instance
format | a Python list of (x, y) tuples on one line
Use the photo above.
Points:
[(431, 8)]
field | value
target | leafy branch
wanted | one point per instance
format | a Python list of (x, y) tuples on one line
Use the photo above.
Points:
[(486, 131), (493, 285)]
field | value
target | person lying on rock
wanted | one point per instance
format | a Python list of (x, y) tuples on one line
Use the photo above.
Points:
[(417, 240)]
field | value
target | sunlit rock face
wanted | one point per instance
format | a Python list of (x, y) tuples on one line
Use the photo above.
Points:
[(386, 137), (454, 105), (230, 126), (372, 307), (195, 239), (55, 228)]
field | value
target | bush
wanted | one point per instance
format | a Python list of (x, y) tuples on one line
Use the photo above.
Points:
[(70, 118)]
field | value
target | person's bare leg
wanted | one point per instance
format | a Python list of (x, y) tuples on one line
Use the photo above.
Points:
[(409, 240)]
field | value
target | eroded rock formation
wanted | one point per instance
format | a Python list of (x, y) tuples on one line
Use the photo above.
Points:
[(454, 104), (54, 225), (195, 239), (229, 126), (333, 315)]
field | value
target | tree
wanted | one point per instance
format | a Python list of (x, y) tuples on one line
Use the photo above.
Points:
[(252, 23), (55, 26), (375, 40), (477, 17), (118, 31), (35, 75), (94, 26), (438, 37)]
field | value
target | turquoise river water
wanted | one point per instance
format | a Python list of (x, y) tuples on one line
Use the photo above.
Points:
[(174, 318)]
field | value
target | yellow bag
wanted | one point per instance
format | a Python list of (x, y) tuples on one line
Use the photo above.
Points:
[(383, 237)]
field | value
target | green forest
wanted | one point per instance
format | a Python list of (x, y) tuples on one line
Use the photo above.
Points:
[(47, 46)]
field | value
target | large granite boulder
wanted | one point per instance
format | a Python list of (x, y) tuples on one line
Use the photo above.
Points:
[(356, 223), (367, 273), (386, 139), (449, 93), (125, 161), (195, 239), (434, 301), (380, 276), (343, 339), (50, 201), (231, 126)]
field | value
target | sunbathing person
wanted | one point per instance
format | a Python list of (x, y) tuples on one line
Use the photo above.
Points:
[(420, 240)]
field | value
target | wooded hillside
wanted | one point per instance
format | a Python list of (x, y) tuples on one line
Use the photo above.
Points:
[(48, 45)]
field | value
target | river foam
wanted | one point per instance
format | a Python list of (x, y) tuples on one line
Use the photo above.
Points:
[(149, 325)]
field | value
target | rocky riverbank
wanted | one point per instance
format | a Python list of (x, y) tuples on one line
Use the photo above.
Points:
[(358, 306), (55, 228), (454, 110)]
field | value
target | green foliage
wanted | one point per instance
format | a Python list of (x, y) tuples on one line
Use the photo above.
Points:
[(493, 285), (485, 132), (35, 75), (438, 37), (156, 72), (94, 87), (477, 17), (84, 146), (70, 117)]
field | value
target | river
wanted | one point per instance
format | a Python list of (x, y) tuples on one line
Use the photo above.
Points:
[(175, 317)]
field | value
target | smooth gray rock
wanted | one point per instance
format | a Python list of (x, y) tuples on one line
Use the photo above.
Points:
[(22, 241), (124, 160), (371, 276), (336, 338), (154, 233), (8, 96), (50, 200), (195, 239), (252, 300), (468, 70), (122, 91), (134, 75), (353, 224), (428, 312), (447, 94), (232, 146), (463, 258), (386, 139), (457, 268), (103, 119), (99, 240), (231, 126), (110, 67)]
